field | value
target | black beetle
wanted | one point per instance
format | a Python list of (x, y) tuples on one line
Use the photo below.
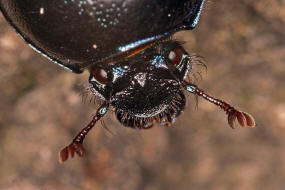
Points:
[(134, 65)]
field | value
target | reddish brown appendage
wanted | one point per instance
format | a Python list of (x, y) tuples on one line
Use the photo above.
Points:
[(76, 145), (243, 118)]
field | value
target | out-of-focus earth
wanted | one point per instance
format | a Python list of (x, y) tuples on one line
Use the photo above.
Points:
[(41, 110)]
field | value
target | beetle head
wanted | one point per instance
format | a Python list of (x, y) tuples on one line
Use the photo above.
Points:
[(146, 85)]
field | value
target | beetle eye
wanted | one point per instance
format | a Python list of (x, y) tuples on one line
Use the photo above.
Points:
[(99, 76), (175, 56)]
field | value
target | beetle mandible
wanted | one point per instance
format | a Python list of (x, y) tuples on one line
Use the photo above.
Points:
[(135, 67)]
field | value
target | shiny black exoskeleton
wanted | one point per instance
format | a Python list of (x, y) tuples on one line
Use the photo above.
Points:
[(77, 33), (141, 87), (125, 45)]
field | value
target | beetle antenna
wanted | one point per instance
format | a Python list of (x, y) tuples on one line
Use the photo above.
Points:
[(243, 118), (76, 145)]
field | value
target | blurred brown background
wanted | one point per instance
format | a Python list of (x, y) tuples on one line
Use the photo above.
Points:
[(41, 111)]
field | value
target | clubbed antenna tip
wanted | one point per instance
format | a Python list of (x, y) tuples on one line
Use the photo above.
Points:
[(243, 118), (76, 145)]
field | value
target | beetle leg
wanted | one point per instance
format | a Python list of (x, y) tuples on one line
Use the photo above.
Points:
[(76, 145), (243, 118)]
